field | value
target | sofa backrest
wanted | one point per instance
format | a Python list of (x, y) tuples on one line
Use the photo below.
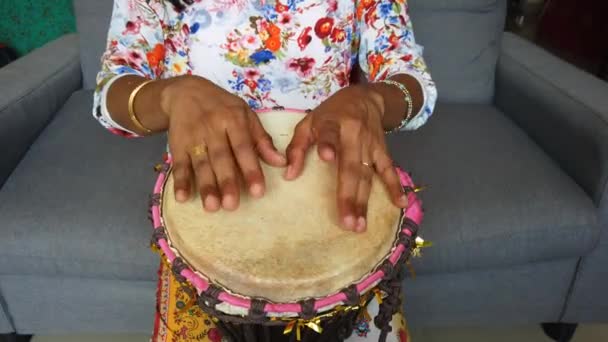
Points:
[(461, 39), (92, 22)]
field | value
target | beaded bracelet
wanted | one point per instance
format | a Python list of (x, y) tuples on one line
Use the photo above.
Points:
[(408, 100)]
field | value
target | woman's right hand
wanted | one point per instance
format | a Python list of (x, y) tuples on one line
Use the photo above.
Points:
[(214, 140)]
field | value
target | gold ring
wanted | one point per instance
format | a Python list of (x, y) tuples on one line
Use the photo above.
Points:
[(198, 150)]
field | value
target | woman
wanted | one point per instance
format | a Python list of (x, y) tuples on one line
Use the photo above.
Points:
[(199, 68)]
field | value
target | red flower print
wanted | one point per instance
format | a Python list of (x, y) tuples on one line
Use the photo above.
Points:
[(156, 56), (375, 61), (323, 27), (394, 41), (302, 66), (274, 30), (333, 5), (363, 6), (251, 84), (251, 74), (273, 43), (232, 36), (262, 25), (285, 18), (114, 42), (304, 38), (342, 78), (131, 27), (279, 7), (169, 43), (214, 335), (338, 35), (407, 58), (250, 41), (134, 56), (233, 46), (186, 29)]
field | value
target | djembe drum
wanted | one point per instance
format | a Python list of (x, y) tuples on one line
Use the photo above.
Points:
[(280, 268)]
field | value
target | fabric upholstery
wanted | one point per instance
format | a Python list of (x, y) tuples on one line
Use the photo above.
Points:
[(461, 40), (92, 22), (534, 87), (33, 88), (589, 299), (5, 324), (64, 305), (520, 295), (494, 198), (77, 203), (529, 293)]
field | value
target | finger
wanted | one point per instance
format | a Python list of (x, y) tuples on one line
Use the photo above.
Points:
[(181, 169), (263, 143), (297, 148), (388, 174), (207, 185), (349, 173), (365, 184), (247, 158), (328, 140), (182, 176), (224, 168)]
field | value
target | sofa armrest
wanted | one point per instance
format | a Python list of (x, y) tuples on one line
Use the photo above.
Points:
[(32, 89), (564, 109)]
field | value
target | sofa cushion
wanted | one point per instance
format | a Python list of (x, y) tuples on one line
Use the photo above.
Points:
[(77, 203), (5, 326), (461, 40), (494, 198)]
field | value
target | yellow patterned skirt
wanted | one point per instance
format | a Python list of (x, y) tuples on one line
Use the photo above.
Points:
[(179, 319)]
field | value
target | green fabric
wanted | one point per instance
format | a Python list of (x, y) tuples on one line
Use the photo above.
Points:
[(28, 24)]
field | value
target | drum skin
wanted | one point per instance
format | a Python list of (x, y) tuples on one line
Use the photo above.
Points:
[(286, 246)]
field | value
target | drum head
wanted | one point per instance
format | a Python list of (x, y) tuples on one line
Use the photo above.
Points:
[(286, 246)]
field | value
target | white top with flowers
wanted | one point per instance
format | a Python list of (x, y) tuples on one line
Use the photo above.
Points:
[(289, 53)]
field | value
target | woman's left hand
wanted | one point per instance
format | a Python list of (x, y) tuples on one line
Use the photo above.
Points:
[(347, 129)]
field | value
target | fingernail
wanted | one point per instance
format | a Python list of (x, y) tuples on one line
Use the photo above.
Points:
[(349, 222), (256, 190), (361, 223), (289, 171), (181, 196), (211, 203), (229, 202)]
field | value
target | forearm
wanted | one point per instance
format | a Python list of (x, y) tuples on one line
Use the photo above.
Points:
[(395, 106), (147, 105)]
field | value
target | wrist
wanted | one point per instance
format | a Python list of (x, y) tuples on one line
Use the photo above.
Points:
[(376, 95), (169, 90)]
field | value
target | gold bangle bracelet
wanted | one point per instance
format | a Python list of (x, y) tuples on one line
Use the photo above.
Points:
[(132, 115)]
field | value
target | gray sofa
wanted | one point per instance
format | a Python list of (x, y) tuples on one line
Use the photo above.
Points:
[(515, 159)]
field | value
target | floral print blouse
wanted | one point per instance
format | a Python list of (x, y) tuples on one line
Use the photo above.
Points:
[(289, 53)]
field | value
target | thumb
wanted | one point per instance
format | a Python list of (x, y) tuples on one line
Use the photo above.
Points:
[(263, 143)]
